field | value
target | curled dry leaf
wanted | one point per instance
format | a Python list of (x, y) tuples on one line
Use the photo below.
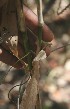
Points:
[(9, 32), (30, 95), (29, 98)]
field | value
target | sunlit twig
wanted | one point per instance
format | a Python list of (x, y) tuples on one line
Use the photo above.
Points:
[(62, 9)]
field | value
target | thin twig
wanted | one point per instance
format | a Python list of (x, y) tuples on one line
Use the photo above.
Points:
[(22, 28), (62, 9), (24, 64), (40, 24), (60, 47), (16, 86)]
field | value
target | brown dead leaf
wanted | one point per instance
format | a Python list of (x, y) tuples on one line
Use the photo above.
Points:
[(9, 31), (29, 99), (30, 95)]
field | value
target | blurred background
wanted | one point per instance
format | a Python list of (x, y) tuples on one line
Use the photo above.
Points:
[(55, 71)]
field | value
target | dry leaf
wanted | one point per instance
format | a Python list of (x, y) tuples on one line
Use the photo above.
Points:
[(9, 31), (29, 98), (30, 95)]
